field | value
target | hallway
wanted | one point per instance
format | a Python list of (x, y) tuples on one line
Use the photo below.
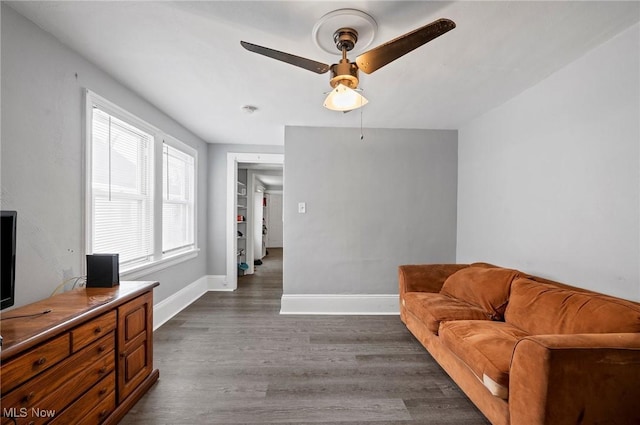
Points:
[(231, 358)]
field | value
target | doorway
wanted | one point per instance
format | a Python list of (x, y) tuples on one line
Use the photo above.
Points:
[(261, 170)]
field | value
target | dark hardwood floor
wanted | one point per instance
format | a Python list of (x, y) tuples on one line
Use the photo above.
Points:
[(231, 358)]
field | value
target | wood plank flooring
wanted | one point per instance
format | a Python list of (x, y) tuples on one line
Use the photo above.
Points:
[(231, 358)]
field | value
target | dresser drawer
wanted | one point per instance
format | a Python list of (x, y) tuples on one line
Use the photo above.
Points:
[(38, 359), (97, 328), (59, 386), (99, 413), (80, 408)]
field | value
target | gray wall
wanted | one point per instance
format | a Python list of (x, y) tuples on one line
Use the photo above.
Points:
[(549, 182), (372, 205), (217, 232), (42, 157)]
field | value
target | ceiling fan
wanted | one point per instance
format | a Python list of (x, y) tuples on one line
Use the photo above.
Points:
[(344, 74)]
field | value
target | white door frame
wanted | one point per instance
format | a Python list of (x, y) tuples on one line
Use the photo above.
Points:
[(233, 158)]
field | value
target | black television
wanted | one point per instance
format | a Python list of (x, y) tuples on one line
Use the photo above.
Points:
[(8, 258)]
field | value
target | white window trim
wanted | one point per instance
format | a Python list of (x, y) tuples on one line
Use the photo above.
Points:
[(158, 261), (167, 261), (177, 144)]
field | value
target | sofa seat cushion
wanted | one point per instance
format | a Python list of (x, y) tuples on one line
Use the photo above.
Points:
[(434, 308), (485, 287), (543, 309), (485, 347)]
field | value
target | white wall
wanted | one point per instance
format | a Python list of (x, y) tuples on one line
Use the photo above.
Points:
[(550, 181), (42, 158), (372, 205)]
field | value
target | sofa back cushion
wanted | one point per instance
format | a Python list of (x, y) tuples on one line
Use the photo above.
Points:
[(487, 288), (542, 309)]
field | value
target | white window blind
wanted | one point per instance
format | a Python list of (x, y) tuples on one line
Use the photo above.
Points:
[(178, 219), (122, 195)]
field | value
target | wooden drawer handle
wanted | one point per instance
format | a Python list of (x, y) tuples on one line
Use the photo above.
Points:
[(103, 391), (27, 398), (102, 348), (103, 413), (102, 370), (40, 361), (97, 330)]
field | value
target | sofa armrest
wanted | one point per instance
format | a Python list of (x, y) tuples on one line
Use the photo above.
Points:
[(576, 378), (425, 277)]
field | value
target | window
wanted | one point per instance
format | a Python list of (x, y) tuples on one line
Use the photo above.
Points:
[(177, 199), (140, 190), (122, 200)]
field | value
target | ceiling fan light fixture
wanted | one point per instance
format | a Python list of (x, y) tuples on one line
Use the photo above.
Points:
[(344, 99)]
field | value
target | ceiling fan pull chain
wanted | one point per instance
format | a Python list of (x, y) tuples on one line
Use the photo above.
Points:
[(361, 135)]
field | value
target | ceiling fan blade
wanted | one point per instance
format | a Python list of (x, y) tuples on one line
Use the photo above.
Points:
[(386, 53), (308, 64)]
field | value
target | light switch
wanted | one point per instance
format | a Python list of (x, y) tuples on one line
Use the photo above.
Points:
[(302, 207)]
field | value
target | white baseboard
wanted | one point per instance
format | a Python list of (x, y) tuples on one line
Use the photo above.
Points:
[(175, 303), (348, 304), (218, 283)]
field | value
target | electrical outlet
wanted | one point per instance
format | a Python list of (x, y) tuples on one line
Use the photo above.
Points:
[(302, 207)]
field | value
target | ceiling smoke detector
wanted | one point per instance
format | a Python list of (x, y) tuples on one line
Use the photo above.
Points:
[(249, 109)]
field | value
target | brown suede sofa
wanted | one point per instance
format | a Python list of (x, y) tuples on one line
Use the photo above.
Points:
[(524, 349)]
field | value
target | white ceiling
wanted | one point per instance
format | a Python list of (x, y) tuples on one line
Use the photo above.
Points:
[(186, 58), (271, 175)]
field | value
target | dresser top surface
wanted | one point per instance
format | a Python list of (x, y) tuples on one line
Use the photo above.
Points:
[(26, 326)]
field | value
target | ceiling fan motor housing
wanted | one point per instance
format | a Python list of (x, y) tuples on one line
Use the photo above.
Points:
[(344, 72)]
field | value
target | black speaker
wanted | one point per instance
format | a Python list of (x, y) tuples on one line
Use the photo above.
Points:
[(103, 270)]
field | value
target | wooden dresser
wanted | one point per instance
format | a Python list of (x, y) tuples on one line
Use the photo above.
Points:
[(81, 357)]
